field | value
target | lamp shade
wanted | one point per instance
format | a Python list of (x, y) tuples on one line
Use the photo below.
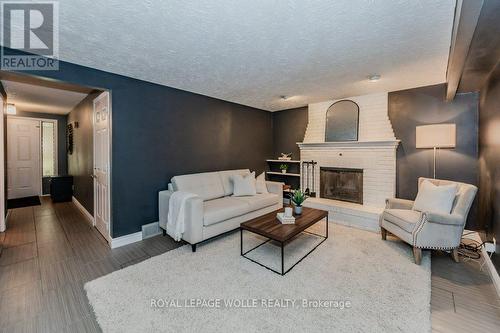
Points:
[(436, 136)]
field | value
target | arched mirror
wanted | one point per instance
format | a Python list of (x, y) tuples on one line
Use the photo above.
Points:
[(342, 120)]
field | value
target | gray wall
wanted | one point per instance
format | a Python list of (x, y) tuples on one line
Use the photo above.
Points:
[(427, 105), (81, 162), (159, 132), (489, 158), (289, 127), (62, 162)]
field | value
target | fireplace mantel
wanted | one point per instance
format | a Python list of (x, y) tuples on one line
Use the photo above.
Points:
[(349, 144)]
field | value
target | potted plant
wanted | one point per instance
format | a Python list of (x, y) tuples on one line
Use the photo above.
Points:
[(283, 167), (298, 198)]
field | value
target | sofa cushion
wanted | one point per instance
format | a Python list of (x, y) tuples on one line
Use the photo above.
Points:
[(404, 218), (244, 185), (260, 183), (259, 201), (218, 210), (207, 185), (226, 179)]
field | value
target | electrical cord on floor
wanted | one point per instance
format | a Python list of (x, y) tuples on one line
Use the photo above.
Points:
[(470, 250)]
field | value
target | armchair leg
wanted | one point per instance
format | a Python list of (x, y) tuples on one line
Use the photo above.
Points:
[(384, 233), (454, 255), (417, 254)]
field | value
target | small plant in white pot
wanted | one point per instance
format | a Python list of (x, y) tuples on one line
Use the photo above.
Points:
[(283, 168), (298, 199)]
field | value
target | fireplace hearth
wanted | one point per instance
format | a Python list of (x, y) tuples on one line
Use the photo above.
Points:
[(343, 184)]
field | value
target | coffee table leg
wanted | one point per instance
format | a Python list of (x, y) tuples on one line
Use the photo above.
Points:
[(282, 259), (327, 226), (241, 241)]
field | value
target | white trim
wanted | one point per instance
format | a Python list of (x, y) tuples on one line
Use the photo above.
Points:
[(85, 212), (125, 240), (495, 277), (349, 144)]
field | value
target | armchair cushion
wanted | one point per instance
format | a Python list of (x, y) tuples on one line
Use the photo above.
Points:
[(406, 219), (436, 199)]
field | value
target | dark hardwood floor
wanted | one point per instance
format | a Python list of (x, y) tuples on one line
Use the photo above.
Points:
[(46, 255), (48, 252)]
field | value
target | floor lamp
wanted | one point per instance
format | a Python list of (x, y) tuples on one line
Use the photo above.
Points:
[(436, 136)]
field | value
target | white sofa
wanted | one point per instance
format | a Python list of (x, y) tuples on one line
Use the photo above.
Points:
[(215, 211)]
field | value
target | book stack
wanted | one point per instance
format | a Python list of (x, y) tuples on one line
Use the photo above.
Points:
[(284, 219)]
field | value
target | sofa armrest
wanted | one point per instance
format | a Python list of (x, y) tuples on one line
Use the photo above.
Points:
[(448, 219), (193, 232), (275, 187), (395, 203)]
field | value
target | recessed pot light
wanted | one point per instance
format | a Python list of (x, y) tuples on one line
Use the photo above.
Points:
[(373, 77)]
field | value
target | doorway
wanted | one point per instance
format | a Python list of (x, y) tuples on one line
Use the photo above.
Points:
[(63, 130), (31, 155)]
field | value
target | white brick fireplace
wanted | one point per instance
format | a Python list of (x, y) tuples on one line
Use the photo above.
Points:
[(375, 153)]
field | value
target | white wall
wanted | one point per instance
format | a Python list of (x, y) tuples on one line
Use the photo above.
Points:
[(374, 123)]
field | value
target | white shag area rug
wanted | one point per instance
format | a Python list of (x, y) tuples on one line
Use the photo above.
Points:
[(353, 282)]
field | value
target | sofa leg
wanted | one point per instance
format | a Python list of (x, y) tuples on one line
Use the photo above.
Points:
[(164, 232), (384, 233), (193, 247), (454, 255), (417, 254)]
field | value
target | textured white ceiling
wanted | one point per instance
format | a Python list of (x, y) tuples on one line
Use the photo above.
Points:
[(37, 98), (251, 52)]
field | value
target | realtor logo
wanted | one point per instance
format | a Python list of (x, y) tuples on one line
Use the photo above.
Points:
[(31, 27)]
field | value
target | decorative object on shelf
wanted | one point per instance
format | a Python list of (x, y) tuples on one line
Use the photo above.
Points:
[(284, 219), (285, 157), (308, 170), (436, 136), (69, 139), (342, 121), (298, 199), (283, 168)]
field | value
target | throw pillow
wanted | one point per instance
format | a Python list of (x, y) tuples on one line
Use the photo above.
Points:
[(435, 199), (244, 185), (260, 183)]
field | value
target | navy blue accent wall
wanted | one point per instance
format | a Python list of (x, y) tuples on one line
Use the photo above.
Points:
[(159, 132)]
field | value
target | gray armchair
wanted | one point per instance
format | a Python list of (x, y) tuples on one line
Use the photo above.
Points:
[(427, 230)]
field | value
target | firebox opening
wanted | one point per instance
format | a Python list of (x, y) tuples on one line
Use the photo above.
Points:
[(344, 184)]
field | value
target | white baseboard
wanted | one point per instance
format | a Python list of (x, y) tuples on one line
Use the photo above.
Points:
[(495, 278), (82, 209), (125, 240)]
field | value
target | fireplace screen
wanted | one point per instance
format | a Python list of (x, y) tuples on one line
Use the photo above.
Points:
[(342, 184)]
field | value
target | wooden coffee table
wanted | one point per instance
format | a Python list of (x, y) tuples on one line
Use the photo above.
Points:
[(270, 227)]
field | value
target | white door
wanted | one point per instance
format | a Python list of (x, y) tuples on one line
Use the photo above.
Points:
[(23, 158), (101, 164)]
